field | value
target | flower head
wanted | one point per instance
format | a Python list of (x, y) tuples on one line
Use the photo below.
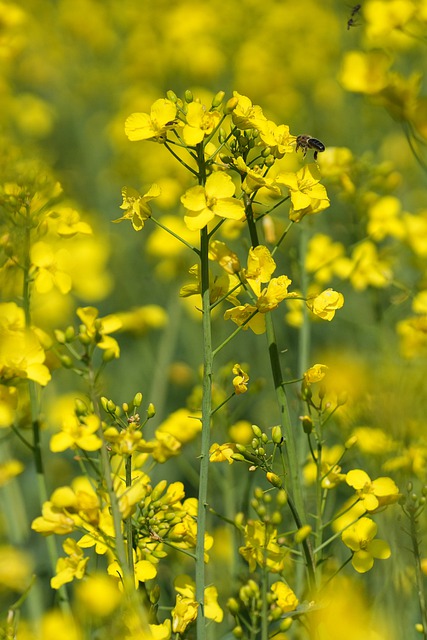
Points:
[(373, 493), (202, 204), (308, 196), (136, 206), (325, 304), (153, 126), (360, 539)]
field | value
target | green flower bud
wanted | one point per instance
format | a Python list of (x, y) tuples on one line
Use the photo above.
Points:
[(273, 479), (238, 457), (111, 407), (108, 355), (264, 438), (60, 336), (302, 533), (276, 517), (285, 624), (125, 407), (80, 407), (261, 451), (151, 410), (84, 338), (158, 490), (257, 431), (66, 362), (233, 606), (70, 334), (276, 613), (188, 96), (270, 161), (171, 95), (307, 424), (218, 98), (137, 399), (281, 498), (237, 632), (231, 104), (104, 403), (276, 435)]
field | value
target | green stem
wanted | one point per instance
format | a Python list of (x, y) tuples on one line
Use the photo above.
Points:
[(128, 523), (206, 414)]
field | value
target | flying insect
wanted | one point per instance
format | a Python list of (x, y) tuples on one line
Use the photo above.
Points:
[(306, 142)]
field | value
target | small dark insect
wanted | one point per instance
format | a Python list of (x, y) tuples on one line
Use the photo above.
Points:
[(352, 20), (306, 142)]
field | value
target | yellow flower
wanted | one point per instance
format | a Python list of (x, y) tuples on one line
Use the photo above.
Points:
[(325, 304), (222, 452), (261, 547), (9, 470), (144, 126), (368, 269), (245, 115), (21, 354), (284, 597), (316, 373), (98, 328), (227, 259), (69, 568), (16, 568), (276, 137), (53, 520), (308, 196), (136, 206), (49, 265), (98, 595), (260, 267), (246, 316), (276, 291), (360, 539), (255, 178), (322, 257), (240, 381), (202, 204), (185, 610), (77, 432), (200, 123), (372, 493), (365, 72)]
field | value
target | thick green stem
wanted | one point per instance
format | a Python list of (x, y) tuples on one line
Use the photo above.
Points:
[(206, 419)]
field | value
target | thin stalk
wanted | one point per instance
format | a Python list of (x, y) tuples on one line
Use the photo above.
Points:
[(204, 453), (264, 611), (292, 467), (206, 413), (128, 522)]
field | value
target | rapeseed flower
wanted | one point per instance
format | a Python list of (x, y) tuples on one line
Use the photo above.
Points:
[(325, 304), (307, 195), (374, 494), (202, 204), (136, 206), (360, 539), (152, 126)]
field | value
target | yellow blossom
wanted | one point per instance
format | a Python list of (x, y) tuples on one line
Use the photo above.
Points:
[(360, 539), (99, 328), (316, 373), (365, 72), (153, 126), (202, 204), (245, 115), (246, 316), (240, 381), (307, 195), (222, 452), (374, 494), (136, 206), (74, 566), (77, 432), (284, 597), (50, 268), (98, 595), (273, 294), (261, 547), (199, 123), (325, 304)]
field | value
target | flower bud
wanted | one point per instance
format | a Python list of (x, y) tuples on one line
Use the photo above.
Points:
[(111, 407), (302, 533), (188, 96), (257, 431), (218, 98), (151, 410), (233, 606), (60, 336), (307, 424), (231, 104), (237, 632), (80, 407), (273, 479), (108, 355), (125, 407), (171, 95), (276, 435), (155, 594), (70, 334), (281, 498), (66, 362), (137, 399)]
